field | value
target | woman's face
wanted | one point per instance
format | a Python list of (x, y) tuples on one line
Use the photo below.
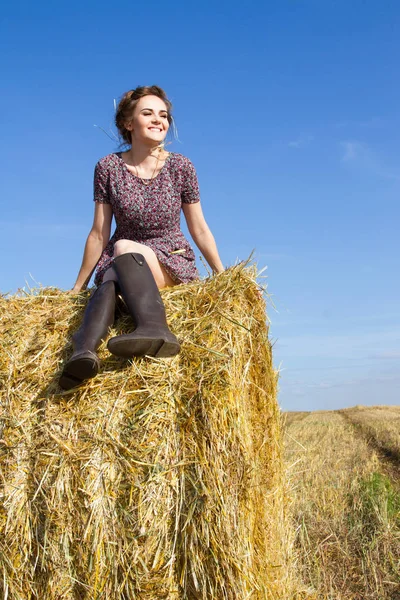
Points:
[(149, 124)]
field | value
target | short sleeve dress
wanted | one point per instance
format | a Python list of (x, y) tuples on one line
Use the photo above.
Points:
[(149, 213)]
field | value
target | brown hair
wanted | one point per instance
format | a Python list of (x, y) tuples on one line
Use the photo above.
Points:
[(128, 104)]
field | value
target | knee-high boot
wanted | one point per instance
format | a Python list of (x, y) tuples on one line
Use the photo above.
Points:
[(97, 319), (139, 290)]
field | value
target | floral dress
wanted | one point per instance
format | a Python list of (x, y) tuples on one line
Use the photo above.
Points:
[(149, 213)]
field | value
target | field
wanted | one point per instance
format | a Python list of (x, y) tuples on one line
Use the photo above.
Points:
[(344, 475)]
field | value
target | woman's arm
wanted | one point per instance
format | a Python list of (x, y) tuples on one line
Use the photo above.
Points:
[(202, 236), (96, 242)]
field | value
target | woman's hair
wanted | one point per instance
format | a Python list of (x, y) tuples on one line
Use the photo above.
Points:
[(128, 104)]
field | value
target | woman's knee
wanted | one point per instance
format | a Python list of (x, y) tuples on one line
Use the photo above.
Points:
[(161, 277), (124, 246)]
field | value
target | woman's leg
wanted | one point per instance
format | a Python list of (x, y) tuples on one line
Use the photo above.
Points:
[(139, 283), (161, 277), (97, 319)]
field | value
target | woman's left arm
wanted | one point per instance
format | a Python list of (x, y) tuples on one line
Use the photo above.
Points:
[(202, 236)]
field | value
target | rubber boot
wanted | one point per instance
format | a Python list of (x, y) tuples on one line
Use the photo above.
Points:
[(97, 319), (142, 298)]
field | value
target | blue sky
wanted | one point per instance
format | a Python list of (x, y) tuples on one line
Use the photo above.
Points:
[(289, 111)]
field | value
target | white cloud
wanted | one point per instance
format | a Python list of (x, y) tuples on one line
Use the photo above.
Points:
[(359, 155), (352, 151), (301, 142)]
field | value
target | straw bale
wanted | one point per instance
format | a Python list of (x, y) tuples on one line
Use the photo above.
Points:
[(159, 478)]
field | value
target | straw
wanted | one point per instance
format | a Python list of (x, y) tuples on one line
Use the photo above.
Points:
[(159, 478)]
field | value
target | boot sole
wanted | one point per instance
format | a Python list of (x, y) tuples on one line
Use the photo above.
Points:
[(77, 370), (128, 348)]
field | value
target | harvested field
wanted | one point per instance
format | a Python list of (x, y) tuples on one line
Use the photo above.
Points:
[(346, 501), (158, 478), (381, 426)]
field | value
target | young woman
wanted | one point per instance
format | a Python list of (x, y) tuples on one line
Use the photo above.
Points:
[(144, 189)]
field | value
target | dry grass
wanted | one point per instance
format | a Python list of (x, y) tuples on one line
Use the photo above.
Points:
[(345, 507), (157, 479), (381, 424)]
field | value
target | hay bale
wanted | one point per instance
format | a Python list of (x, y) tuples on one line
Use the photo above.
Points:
[(158, 478)]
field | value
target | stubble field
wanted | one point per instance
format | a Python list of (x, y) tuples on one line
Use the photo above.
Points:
[(344, 475)]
